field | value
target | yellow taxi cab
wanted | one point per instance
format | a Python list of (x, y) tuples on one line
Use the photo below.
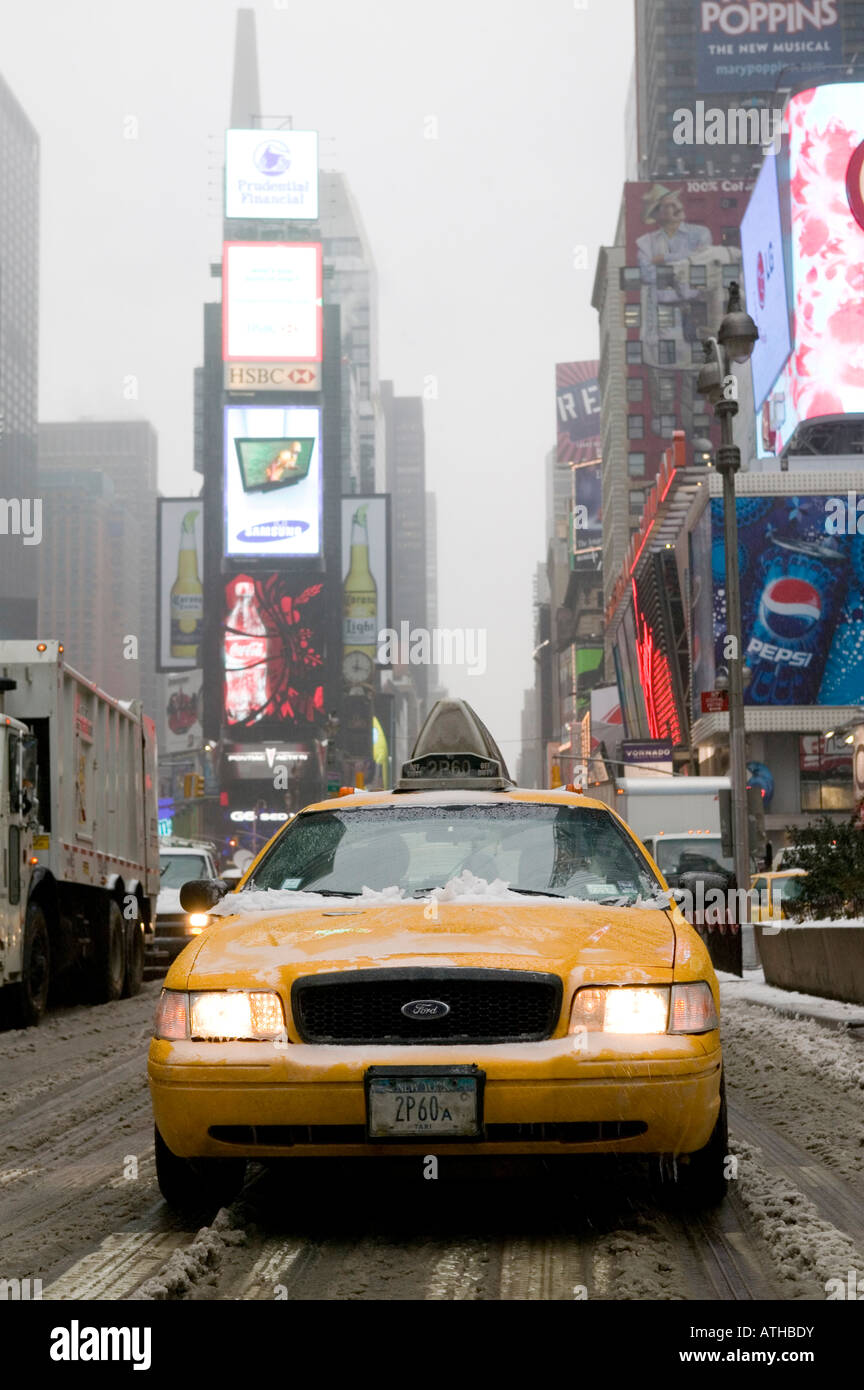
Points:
[(457, 966), (773, 892)]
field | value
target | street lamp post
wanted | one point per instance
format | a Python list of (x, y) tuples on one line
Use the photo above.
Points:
[(734, 343)]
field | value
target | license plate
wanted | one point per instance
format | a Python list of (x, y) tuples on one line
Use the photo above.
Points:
[(416, 1104)]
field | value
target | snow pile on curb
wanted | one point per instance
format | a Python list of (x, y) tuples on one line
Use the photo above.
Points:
[(805, 1045), (187, 1267), (806, 1251)]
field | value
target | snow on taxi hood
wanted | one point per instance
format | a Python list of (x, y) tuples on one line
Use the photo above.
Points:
[(274, 937)]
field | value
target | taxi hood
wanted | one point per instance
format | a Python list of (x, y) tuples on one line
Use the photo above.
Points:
[(271, 949)]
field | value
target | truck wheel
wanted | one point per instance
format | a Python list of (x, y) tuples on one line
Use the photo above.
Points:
[(109, 960), (697, 1180), (135, 963), (30, 997), (192, 1185)]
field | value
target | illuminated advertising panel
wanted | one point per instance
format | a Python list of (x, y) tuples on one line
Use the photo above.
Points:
[(272, 480), (271, 301), (765, 280), (683, 248), (744, 45), (179, 592), (271, 173), (273, 652), (825, 374), (802, 601), (181, 727), (365, 580)]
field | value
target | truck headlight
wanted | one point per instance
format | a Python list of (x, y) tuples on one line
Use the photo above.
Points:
[(197, 922), (685, 1008), (220, 1015)]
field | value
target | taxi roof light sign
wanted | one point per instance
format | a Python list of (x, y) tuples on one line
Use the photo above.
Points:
[(454, 752)]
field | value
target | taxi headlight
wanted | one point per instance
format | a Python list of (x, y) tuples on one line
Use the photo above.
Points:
[(644, 1009), (246, 1014), (211, 1015)]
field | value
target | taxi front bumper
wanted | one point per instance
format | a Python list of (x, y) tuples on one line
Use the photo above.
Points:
[(262, 1100)]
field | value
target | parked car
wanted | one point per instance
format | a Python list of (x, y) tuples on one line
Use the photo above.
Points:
[(776, 891)]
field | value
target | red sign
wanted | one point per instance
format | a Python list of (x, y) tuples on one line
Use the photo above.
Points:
[(715, 701)]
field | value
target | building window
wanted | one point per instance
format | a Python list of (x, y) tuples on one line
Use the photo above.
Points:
[(665, 277), (632, 315), (730, 273), (667, 426), (698, 276), (825, 766), (635, 426), (637, 499), (666, 389), (633, 354), (636, 465), (702, 422), (666, 351), (635, 388), (666, 318)]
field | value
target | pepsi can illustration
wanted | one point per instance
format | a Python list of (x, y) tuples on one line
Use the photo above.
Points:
[(792, 624)]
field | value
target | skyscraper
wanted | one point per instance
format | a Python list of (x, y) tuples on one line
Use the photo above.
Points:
[(19, 306), (125, 453)]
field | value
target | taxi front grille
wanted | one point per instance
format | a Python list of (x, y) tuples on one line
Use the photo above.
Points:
[(484, 1006)]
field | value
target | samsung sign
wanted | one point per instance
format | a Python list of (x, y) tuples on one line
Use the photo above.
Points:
[(765, 280), (271, 173)]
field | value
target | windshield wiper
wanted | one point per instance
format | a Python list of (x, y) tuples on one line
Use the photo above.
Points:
[(537, 892)]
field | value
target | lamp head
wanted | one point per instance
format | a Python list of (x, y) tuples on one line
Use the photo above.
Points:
[(738, 333)]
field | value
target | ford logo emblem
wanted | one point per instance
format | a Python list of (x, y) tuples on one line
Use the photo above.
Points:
[(425, 1008)]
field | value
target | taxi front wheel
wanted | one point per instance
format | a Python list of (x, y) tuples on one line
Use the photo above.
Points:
[(697, 1180), (197, 1184)]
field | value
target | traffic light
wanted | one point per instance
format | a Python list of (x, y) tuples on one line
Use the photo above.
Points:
[(193, 785), (199, 784)]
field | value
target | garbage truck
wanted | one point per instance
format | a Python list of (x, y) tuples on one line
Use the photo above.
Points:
[(79, 874)]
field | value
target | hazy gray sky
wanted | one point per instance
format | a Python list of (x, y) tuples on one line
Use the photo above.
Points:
[(473, 232)]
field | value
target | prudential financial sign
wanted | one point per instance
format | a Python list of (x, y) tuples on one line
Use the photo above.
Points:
[(271, 173)]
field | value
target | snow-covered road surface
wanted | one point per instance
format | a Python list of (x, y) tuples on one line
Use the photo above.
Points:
[(79, 1206)]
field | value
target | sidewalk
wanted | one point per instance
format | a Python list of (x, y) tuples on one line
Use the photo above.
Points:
[(833, 1013)]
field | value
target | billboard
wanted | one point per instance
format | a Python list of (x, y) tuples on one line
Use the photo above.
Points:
[(271, 174), (765, 280), (271, 301), (577, 395), (181, 715), (802, 601), (179, 592), (365, 582), (273, 652), (272, 480), (825, 374), (744, 45), (683, 248)]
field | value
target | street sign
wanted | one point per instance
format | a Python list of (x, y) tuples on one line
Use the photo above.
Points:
[(715, 701)]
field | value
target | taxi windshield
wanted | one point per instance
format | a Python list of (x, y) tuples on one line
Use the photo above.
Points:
[(563, 851)]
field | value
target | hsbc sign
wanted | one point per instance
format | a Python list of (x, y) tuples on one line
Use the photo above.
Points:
[(272, 376)]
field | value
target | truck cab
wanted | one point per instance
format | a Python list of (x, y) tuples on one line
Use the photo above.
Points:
[(24, 947)]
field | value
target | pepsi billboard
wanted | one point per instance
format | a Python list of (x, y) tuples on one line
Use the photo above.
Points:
[(802, 602)]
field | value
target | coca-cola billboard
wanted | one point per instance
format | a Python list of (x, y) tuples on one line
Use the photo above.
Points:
[(273, 652)]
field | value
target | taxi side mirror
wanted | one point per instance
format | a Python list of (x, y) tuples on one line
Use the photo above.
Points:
[(200, 894)]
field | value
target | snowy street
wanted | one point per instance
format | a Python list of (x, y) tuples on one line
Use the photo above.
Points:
[(81, 1210)]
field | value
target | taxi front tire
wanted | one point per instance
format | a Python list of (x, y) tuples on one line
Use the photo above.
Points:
[(698, 1180), (196, 1184)]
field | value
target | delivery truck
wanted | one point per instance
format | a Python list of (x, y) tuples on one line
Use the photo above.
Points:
[(79, 835), (677, 819)]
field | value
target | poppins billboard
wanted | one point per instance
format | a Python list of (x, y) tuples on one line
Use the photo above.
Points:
[(272, 301), (683, 245), (825, 197), (744, 45), (179, 591), (273, 652), (765, 281), (802, 600), (273, 481), (271, 174)]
